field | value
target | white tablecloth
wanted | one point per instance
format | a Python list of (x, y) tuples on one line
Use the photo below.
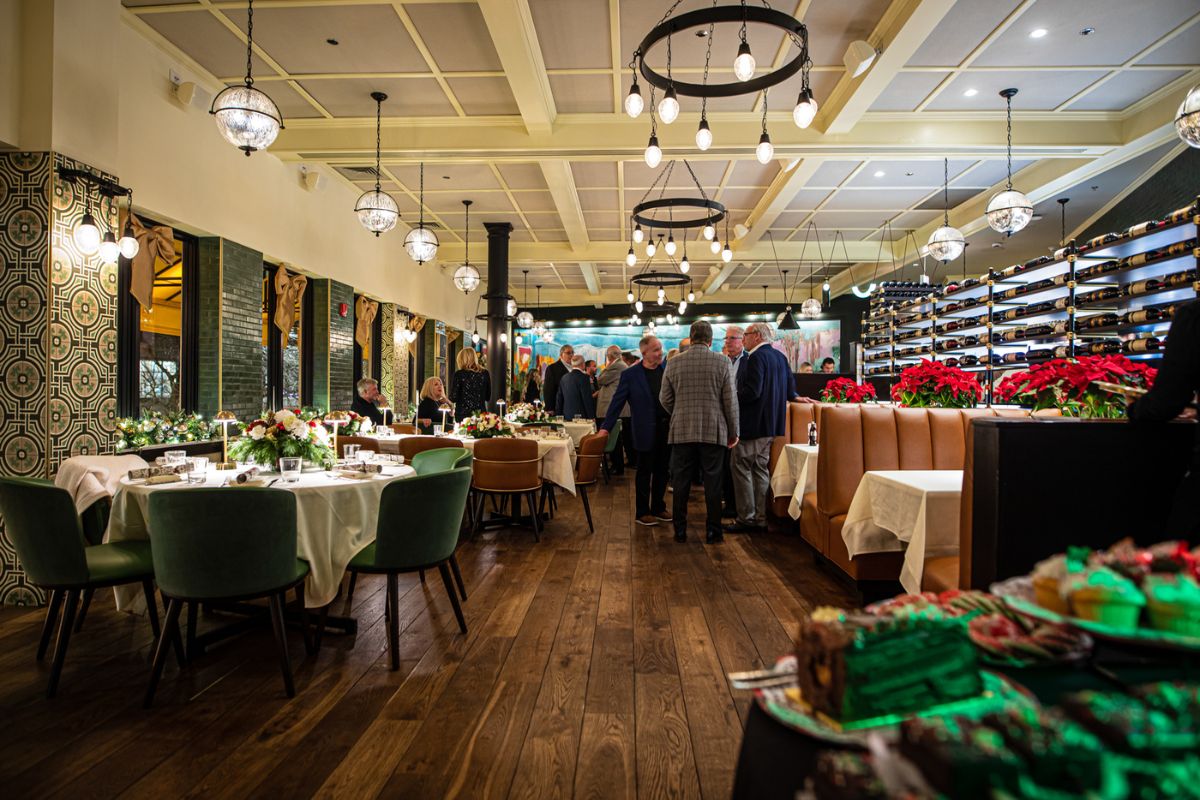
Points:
[(795, 475), (335, 519), (557, 455), (578, 430), (919, 508)]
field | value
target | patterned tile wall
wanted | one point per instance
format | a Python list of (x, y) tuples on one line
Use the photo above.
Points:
[(58, 334), (387, 354)]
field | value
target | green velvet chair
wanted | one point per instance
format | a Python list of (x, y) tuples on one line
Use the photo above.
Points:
[(41, 521), (440, 460), (610, 447), (226, 544), (419, 521)]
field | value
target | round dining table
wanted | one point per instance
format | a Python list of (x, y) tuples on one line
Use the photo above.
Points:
[(335, 518)]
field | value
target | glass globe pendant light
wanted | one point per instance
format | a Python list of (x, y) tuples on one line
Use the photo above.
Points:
[(128, 243), (87, 234), (704, 138), (629, 295), (421, 243), (638, 306), (726, 253), (1009, 211), (638, 234), (946, 243), (524, 318), (466, 277), (1187, 119), (651, 248), (685, 265), (376, 209), (633, 101), (247, 118), (715, 245)]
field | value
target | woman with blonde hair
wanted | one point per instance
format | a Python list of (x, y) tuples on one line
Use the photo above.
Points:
[(433, 401), (470, 386)]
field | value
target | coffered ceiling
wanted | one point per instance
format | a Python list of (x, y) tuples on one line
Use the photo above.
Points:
[(516, 105)]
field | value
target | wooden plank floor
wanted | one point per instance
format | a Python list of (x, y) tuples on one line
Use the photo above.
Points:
[(594, 667)]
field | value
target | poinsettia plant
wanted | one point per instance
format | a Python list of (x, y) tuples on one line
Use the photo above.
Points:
[(155, 427), (844, 390), (1068, 385), (485, 425), (933, 384), (283, 433), (528, 412)]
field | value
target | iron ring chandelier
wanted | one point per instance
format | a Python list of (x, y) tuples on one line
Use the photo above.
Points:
[(721, 14), (715, 212), (660, 279)]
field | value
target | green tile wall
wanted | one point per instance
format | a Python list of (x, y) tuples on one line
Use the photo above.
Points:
[(230, 342)]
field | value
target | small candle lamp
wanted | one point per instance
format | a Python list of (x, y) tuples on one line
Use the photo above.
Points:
[(337, 419), (225, 419), (445, 411), (384, 410)]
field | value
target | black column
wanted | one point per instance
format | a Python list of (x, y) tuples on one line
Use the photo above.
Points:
[(497, 307)]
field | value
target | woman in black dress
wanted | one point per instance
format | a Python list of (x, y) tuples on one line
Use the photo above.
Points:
[(429, 410), (470, 386), (533, 385)]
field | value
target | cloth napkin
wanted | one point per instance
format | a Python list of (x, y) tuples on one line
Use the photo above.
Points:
[(89, 478)]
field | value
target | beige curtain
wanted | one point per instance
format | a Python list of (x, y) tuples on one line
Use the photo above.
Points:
[(289, 290), (452, 336), (153, 243), (365, 310)]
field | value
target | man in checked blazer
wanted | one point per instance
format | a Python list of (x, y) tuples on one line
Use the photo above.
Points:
[(698, 390)]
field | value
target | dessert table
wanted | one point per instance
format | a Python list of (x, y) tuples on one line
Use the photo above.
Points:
[(795, 475), (918, 508), (335, 519), (557, 455)]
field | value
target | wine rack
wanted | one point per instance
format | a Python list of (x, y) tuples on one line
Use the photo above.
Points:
[(1115, 293)]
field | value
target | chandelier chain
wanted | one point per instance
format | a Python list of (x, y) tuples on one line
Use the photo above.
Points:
[(422, 197), (764, 116), (249, 42), (946, 192), (378, 134), (1008, 100), (467, 235), (707, 58), (695, 180), (742, 32)]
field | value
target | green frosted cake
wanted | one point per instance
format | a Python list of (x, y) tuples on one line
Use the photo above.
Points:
[(854, 667)]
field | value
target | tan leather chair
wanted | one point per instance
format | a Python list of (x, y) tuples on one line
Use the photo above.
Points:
[(363, 442), (507, 467), (404, 428), (412, 445), (587, 468)]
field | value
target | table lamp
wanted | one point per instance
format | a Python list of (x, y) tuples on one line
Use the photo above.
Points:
[(445, 411), (336, 419), (225, 419)]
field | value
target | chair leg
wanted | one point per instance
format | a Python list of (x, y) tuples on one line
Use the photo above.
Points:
[(83, 609), (537, 522), (471, 510), (170, 632), (309, 648), (462, 589), (56, 600), (445, 570), (285, 662), (478, 515), (604, 469), (193, 609), (587, 507), (64, 638), (393, 601), (421, 572), (350, 594), (152, 612)]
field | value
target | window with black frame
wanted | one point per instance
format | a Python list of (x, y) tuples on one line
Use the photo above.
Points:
[(156, 365), (286, 365)]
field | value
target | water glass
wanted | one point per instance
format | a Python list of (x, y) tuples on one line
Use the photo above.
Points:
[(289, 468), (349, 451), (199, 470), (176, 456), (437, 430)]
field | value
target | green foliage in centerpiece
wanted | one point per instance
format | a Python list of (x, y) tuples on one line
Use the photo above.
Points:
[(283, 433), (485, 426), (525, 413), (155, 427)]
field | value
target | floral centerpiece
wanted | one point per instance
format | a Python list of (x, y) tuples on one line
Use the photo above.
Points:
[(154, 427), (525, 413), (283, 433), (933, 384), (485, 425), (844, 390), (1067, 384), (357, 424)]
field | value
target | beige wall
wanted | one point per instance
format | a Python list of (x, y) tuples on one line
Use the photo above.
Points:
[(10, 72)]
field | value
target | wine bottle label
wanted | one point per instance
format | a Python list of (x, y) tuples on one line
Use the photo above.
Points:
[(1146, 345), (1060, 253), (1148, 225)]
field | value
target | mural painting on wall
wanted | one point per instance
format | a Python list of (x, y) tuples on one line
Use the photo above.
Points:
[(814, 341)]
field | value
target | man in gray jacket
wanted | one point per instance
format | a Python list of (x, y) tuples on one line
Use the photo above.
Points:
[(608, 378), (699, 393)]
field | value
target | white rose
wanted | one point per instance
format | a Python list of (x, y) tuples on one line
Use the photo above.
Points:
[(285, 418), (366, 426), (321, 434), (298, 428), (257, 432)]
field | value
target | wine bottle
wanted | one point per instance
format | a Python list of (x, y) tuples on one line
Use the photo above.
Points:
[(1037, 355), (812, 434), (1175, 249), (969, 341), (1062, 303), (1014, 358), (951, 362), (948, 344), (1148, 344), (1059, 328), (952, 325), (1147, 286), (1180, 278), (1145, 227), (1012, 334), (1097, 321), (1103, 347), (1061, 253), (968, 361), (1100, 295), (1147, 314), (1180, 214)]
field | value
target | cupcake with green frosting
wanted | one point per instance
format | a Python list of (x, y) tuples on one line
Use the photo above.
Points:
[(1173, 603), (1049, 575), (1101, 595)]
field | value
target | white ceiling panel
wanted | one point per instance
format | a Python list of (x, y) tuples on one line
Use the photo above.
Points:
[(582, 94), (1124, 90), (833, 26), (988, 173), (907, 90), (456, 35), (967, 24), (708, 173), (484, 96), (1037, 91), (598, 199), (594, 174), (522, 176), (832, 173), (558, 23), (1179, 49), (831, 220), (906, 173), (752, 173), (808, 199), (351, 97), (445, 177), (872, 199), (211, 44)]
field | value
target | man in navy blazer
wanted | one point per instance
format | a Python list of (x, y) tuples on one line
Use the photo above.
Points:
[(764, 388), (639, 387), (575, 393)]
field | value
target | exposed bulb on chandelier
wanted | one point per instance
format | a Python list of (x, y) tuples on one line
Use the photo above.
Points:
[(87, 234), (765, 150), (715, 247), (653, 153), (638, 306), (661, 293), (651, 249), (475, 337), (128, 243), (709, 232), (630, 258), (805, 110), (109, 251), (638, 234), (634, 102), (671, 248), (703, 135), (668, 107), (629, 296), (743, 65), (726, 253), (682, 306), (685, 265), (691, 297)]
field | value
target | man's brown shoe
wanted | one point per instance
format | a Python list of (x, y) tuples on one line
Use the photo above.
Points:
[(647, 520)]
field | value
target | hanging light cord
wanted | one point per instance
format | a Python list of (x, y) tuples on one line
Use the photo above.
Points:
[(249, 42), (707, 59), (1008, 100), (946, 192), (764, 117), (742, 32), (421, 223), (378, 135), (467, 237)]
